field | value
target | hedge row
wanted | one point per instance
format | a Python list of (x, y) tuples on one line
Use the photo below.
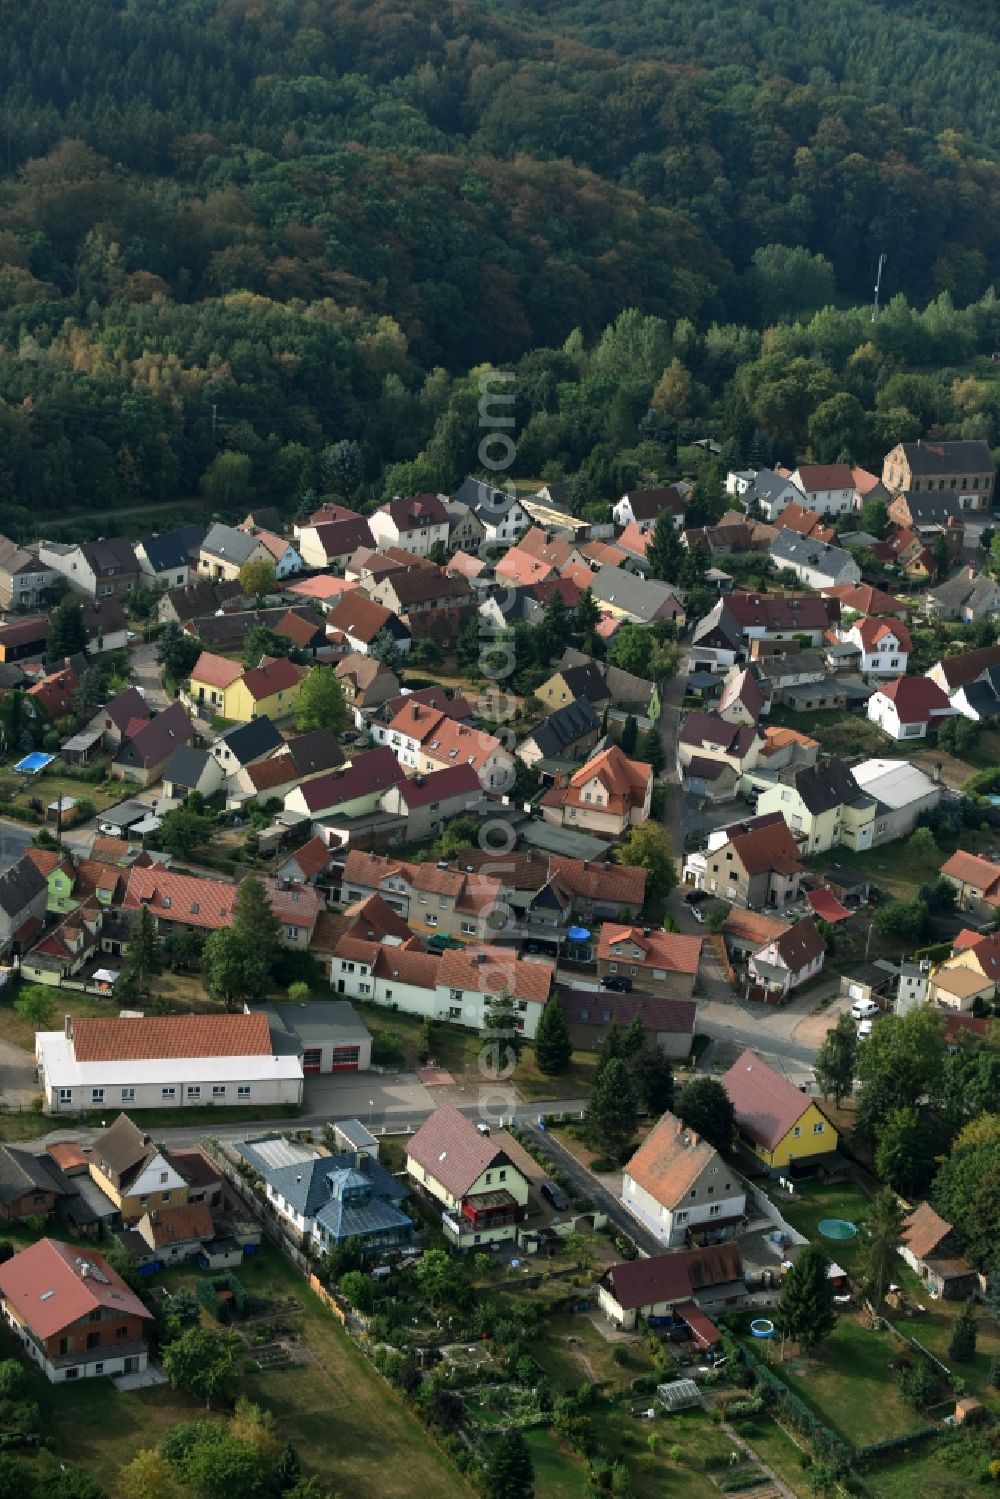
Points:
[(892, 1446)]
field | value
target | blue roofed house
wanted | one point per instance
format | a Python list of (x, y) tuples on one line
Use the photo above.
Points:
[(328, 1199)]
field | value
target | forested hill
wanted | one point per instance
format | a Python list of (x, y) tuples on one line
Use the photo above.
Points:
[(287, 209)]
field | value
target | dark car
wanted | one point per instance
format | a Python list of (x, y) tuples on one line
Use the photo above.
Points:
[(555, 1196), (620, 985), (695, 897)]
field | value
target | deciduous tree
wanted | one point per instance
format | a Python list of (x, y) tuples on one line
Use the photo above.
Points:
[(835, 1060), (320, 702), (257, 578), (704, 1106)]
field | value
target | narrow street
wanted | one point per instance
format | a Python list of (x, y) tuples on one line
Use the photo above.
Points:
[(588, 1186)]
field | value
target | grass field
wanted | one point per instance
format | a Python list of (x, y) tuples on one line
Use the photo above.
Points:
[(50, 785), (850, 1385), (347, 1425), (816, 1200), (459, 1051)]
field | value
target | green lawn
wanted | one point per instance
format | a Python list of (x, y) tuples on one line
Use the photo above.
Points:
[(51, 785), (849, 1384), (459, 1050), (816, 1200)]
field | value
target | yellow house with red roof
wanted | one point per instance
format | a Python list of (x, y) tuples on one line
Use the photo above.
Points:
[(774, 1120)]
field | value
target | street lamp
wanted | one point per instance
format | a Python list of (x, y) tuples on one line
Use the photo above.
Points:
[(371, 1112)]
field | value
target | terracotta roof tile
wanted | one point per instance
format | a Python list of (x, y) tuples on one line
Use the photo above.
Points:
[(58, 1269), (215, 671), (924, 1230), (172, 1036), (670, 1160), (668, 950)]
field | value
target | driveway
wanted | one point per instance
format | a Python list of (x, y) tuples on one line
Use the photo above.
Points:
[(146, 674), (588, 1185)]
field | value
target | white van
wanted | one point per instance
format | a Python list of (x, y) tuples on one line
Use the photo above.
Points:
[(864, 1009)]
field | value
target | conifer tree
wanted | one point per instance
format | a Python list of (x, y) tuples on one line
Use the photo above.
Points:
[(805, 1310), (665, 554), (553, 1047), (143, 953), (962, 1347), (611, 1113), (511, 1473)]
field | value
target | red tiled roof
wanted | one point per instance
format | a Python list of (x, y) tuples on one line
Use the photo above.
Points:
[(277, 674), (970, 869), (452, 780), (265, 775), (861, 598), (340, 537), (215, 671), (625, 781), (181, 1225), (312, 858), (923, 1230), (323, 586), (45, 1285), (180, 897), (670, 1160), (672, 1277), (916, 699), (871, 631), (171, 1037), (416, 512), (453, 743), (635, 540), (490, 970), (816, 476), (668, 950), (767, 848), (752, 926), (359, 616)]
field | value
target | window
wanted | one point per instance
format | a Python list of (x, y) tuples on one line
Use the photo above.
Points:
[(97, 1095), (613, 967), (693, 1192), (164, 1196), (128, 1094), (292, 932), (797, 1131), (431, 919), (65, 1095), (121, 1333), (143, 1201), (715, 1210), (468, 929), (682, 1216), (818, 1129), (194, 1090), (163, 1177), (218, 1090), (243, 1090), (168, 1094), (364, 988)]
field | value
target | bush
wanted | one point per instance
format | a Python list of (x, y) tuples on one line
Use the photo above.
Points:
[(388, 1049)]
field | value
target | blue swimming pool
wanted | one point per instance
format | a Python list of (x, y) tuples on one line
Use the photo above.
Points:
[(33, 763)]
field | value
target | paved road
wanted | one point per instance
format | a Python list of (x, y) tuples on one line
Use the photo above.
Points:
[(15, 837)]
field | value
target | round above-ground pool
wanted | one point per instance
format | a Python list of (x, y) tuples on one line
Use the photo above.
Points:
[(760, 1327), (837, 1228)]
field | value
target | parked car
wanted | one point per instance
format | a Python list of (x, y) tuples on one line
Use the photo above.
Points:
[(698, 914), (554, 1196), (864, 1030), (864, 1009), (619, 985), (695, 897)]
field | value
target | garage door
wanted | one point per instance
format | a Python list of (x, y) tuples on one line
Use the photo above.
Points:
[(346, 1058), (855, 991), (311, 1059)]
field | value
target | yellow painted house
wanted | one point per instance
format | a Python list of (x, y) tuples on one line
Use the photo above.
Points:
[(267, 691), (774, 1121), (211, 677)]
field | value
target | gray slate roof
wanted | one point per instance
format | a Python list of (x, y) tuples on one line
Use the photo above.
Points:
[(172, 549), (564, 727), (186, 765), (21, 1173), (229, 544), (803, 551), (249, 741), (641, 597), (19, 885)]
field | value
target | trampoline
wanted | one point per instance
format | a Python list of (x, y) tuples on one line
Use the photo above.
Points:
[(760, 1327), (33, 763), (837, 1228)]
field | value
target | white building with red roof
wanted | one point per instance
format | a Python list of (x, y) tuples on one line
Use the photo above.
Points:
[(474, 1177), (72, 1313), (414, 524), (164, 1062), (829, 487), (908, 707), (884, 644), (608, 795)]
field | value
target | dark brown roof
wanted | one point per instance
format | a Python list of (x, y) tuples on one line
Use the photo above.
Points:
[(672, 1277), (122, 1146)]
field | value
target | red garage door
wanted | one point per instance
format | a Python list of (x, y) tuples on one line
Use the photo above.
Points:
[(311, 1059), (345, 1058)]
